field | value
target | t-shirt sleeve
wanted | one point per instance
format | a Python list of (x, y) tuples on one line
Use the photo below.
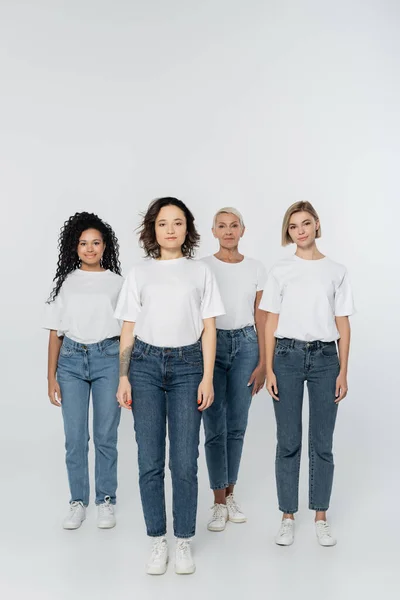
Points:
[(128, 305), (271, 298), (211, 303), (53, 314), (261, 277), (344, 303)]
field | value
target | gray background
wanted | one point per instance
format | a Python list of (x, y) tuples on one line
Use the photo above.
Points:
[(106, 105)]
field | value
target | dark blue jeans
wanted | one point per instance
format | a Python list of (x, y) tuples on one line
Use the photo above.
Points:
[(225, 421), (83, 369), (164, 383), (316, 363)]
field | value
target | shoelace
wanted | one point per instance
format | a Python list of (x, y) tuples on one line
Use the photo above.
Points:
[(231, 502), (158, 549), (324, 529), (73, 507), (183, 549), (285, 528), (106, 508), (218, 511)]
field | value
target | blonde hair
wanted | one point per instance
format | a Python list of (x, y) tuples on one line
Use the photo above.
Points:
[(228, 210), (301, 206)]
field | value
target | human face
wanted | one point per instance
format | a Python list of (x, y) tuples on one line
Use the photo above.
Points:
[(303, 229), (228, 230), (170, 227), (90, 249)]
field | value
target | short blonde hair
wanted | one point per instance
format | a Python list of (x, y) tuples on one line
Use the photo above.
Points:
[(228, 210), (301, 206)]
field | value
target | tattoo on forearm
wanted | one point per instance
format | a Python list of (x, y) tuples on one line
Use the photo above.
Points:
[(125, 360)]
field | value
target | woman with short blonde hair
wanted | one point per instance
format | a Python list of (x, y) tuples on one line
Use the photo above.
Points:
[(308, 300)]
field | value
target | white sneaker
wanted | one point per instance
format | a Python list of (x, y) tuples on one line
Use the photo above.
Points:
[(234, 513), (184, 563), (158, 561), (75, 517), (105, 514), (285, 535), (219, 518), (324, 535)]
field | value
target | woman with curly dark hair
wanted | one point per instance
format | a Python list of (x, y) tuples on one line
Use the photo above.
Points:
[(168, 303), (83, 358)]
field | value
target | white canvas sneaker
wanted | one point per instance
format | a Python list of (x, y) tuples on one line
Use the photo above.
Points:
[(234, 513), (285, 535), (324, 534), (75, 517), (158, 561), (105, 514), (219, 517), (184, 563)]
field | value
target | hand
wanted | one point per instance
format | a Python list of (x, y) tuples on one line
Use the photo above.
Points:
[(257, 379), (54, 392), (124, 393), (272, 386), (205, 394), (341, 387)]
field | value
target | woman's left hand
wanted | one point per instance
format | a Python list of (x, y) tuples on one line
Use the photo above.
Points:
[(205, 394), (257, 379), (341, 387)]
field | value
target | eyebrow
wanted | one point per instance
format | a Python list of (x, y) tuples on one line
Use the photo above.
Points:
[(227, 222), (165, 220), (95, 240), (301, 222)]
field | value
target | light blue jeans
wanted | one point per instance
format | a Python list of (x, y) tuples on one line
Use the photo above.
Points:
[(83, 369), (225, 421)]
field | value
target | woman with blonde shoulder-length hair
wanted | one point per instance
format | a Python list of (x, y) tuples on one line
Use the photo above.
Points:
[(239, 371), (308, 300)]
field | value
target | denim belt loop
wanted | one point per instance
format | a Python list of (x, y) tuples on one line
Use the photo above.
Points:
[(292, 343)]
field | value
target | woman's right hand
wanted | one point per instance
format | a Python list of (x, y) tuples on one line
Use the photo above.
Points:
[(54, 392), (124, 393), (272, 386)]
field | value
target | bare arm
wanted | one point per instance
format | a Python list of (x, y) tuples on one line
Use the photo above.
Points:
[(209, 344), (270, 341), (257, 378), (343, 326), (54, 391), (124, 393)]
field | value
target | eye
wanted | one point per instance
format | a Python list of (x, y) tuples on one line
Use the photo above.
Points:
[(235, 225), (179, 223)]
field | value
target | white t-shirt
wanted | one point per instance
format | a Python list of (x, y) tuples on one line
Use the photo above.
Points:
[(84, 307), (168, 300), (238, 284), (308, 295)]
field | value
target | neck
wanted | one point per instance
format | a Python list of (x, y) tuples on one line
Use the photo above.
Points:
[(229, 255), (92, 268), (167, 254), (311, 253)]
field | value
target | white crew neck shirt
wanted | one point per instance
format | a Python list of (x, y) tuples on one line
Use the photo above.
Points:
[(168, 300), (238, 284), (84, 307), (308, 295)]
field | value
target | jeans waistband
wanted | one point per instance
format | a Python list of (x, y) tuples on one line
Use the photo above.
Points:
[(292, 343), (163, 350), (236, 332), (96, 346)]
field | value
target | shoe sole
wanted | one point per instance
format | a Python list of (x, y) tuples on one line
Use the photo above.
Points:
[(149, 571), (238, 520), (100, 526), (72, 527), (185, 571), (216, 529), (283, 544)]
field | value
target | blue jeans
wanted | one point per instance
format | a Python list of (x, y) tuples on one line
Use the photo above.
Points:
[(83, 369), (294, 363), (225, 421), (164, 383)]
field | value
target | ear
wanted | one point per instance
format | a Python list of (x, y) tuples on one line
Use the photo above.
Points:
[(243, 230), (213, 231), (316, 225)]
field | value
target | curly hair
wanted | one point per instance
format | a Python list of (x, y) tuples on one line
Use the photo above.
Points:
[(147, 231), (68, 239)]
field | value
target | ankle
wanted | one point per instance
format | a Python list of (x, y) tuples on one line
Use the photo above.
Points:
[(288, 516)]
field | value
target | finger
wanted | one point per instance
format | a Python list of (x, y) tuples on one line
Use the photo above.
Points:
[(251, 380), (337, 390), (58, 392)]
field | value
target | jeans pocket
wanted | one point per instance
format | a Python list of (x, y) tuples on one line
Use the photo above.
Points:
[(281, 349), (66, 351), (329, 350), (111, 348), (193, 357), (137, 352)]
